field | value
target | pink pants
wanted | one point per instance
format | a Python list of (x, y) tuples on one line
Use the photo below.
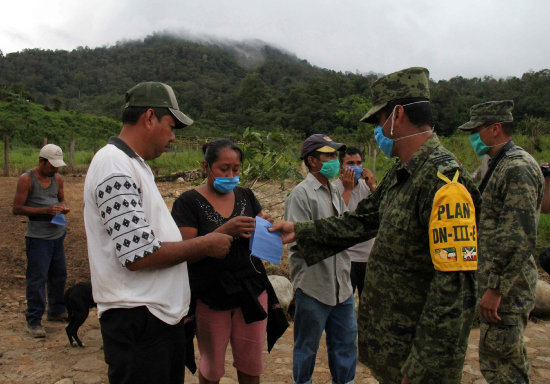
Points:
[(214, 331)]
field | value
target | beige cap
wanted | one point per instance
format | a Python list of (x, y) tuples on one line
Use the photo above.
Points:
[(54, 154)]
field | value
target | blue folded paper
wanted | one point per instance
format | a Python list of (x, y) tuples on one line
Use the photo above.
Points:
[(59, 219), (266, 245)]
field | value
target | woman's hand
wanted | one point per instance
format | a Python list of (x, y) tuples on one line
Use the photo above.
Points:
[(240, 226), (266, 216)]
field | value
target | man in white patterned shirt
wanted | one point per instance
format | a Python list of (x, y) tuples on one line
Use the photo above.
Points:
[(136, 253)]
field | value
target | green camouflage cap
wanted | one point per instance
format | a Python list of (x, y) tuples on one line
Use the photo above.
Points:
[(157, 95), (404, 84), (491, 111)]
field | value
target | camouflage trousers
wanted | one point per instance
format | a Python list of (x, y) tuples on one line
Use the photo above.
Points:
[(502, 353)]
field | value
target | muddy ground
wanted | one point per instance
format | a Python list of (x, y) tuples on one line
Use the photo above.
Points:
[(52, 360)]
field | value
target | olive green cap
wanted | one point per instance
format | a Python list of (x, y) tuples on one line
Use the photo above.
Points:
[(407, 83), (156, 95), (489, 112)]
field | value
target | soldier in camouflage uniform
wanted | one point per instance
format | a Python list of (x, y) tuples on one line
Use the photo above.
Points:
[(414, 320), (507, 274)]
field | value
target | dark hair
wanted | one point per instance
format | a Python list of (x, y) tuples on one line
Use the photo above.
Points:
[(131, 115), (419, 114), (316, 154), (350, 151), (212, 149), (507, 126)]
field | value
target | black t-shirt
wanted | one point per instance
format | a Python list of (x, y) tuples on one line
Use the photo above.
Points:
[(227, 283)]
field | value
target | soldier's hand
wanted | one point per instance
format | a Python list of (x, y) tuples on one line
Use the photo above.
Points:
[(488, 306), (217, 244), (287, 231)]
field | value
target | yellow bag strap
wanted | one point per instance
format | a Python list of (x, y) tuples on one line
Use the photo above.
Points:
[(446, 179)]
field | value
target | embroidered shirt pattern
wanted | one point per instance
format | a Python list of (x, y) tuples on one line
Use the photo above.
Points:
[(119, 201)]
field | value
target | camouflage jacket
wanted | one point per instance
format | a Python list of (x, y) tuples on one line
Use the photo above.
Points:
[(413, 321), (508, 230)]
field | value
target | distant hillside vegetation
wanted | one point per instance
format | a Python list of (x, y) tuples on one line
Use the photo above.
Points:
[(27, 123), (227, 86)]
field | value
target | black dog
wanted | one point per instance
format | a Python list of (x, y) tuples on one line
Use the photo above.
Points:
[(78, 300)]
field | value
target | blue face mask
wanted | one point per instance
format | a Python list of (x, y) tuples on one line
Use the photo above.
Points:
[(385, 144), (358, 172), (479, 146), (225, 184), (330, 168)]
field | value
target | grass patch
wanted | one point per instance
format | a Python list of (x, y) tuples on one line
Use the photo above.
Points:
[(177, 161), (190, 157)]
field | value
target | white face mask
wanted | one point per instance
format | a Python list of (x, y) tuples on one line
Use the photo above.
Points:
[(392, 121)]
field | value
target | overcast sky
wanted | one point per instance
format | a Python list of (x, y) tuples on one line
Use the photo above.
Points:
[(470, 38)]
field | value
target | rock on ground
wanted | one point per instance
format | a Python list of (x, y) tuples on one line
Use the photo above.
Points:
[(542, 301)]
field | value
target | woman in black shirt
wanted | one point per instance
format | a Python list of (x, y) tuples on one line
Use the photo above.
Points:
[(230, 294)]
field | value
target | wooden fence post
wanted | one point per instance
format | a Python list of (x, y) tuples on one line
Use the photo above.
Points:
[(6, 156), (71, 155), (44, 141)]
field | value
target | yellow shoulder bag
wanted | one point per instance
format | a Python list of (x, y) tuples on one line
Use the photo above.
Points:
[(452, 228)]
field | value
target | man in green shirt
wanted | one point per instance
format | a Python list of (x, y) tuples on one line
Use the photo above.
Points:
[(418, 305), (512, 194)]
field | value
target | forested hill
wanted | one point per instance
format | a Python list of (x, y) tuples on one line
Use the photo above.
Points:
[(227, 87)]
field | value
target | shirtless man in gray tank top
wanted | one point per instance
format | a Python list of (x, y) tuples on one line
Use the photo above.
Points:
[(40, 196)]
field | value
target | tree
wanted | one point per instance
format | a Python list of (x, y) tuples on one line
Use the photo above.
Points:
[(57, 103), (535, 128)]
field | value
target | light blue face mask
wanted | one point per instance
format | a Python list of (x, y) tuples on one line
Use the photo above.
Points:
[(225, 184), (479, 146), (330, 168), (385, 143), (358, 172)]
